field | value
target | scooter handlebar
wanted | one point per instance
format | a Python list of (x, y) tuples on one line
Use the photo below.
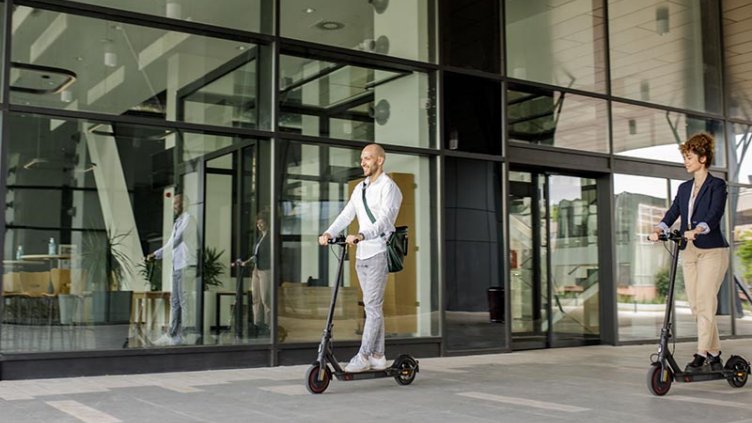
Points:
[(340, 240), (668, 236)]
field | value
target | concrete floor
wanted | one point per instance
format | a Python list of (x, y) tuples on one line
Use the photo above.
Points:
[(586, 384)]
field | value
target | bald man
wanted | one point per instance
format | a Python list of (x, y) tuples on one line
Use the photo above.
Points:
[(383, 199)]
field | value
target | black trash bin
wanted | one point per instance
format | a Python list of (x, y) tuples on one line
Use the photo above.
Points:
[(496, 304)]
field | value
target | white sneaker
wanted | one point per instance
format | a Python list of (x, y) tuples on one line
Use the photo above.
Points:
[(165, 339), (357, 364), (377, 363)]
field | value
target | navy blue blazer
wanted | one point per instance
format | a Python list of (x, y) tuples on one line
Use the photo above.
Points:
[(709, 207)]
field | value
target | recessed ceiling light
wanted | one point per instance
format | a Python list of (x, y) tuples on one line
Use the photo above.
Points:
[(309, 10), (330, 25), (241, 48)]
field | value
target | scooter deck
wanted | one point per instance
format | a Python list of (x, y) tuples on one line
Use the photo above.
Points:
[(390, 371), (703, 376)]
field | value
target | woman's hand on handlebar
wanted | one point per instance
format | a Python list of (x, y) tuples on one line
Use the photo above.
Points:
[(324, 238), (690, 235)]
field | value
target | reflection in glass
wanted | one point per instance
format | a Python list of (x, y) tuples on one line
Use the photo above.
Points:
[(240, 14), (120, 68), (474, 288), (557, 43), (656, 134), (740, 166), (666, 53), (737, 30), (315, 187), (642, 266), (741, 258), (558, 119), (87, 202), (339, 100), (396, 28)]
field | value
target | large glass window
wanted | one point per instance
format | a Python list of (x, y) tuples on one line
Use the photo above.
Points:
[(737, 30), (741, 259), (740, 162), (247, 15), (474, 289), (554, 118), (347, 101), (315, 186), (89, 201), (559, 43), (472, 112), (642, 266), (470, 34), (666, 53), (395, 28), (72, 62), (656, 134)]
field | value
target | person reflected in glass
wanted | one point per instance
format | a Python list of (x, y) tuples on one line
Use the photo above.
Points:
[(261, 278), (383, 199), (182, 242), (701, 203)]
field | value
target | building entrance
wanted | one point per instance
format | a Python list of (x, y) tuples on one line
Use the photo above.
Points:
[(554, 284)]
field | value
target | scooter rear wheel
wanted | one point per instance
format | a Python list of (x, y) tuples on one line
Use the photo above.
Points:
[(655, 384), (406, 366), (741, 371), (313, 383)]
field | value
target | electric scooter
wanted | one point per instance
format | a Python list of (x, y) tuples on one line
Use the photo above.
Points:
[(318, 376), (664, 370)]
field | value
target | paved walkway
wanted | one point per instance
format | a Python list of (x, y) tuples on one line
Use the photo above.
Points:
[(588, 384)]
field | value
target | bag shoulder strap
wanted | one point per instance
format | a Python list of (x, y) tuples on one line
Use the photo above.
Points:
[(365, 204)]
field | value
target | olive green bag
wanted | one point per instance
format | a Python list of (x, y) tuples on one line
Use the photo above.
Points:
[(396, 245)]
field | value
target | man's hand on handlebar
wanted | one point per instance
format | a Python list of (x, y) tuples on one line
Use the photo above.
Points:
[(352, 239), (654, 236)]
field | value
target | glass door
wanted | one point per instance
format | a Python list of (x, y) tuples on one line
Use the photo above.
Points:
[(554, 260), (235, 227)]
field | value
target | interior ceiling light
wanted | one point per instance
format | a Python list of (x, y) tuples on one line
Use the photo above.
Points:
[(661, 20), (309, 10), (330, 25), (379, 5)]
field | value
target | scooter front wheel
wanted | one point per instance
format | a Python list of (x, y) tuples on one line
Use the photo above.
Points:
[(655, 384), (316, 384)]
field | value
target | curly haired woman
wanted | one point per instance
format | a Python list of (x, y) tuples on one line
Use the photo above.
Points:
[(701, 202)]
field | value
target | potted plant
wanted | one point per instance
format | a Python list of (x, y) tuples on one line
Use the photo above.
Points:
[(213, 268), (106, 264)]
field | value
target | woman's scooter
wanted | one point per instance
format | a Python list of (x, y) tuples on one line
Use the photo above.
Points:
[(403, 370), (664, 370)]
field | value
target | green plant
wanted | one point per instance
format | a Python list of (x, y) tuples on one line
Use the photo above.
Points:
[(152, 273), (744, 251), (662, 281), (105, 260), (213, 267)]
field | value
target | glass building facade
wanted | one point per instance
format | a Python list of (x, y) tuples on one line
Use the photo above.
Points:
[(535, 145)]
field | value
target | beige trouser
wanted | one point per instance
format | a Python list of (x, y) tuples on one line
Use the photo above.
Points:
[(704, 270), (261, 291)]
